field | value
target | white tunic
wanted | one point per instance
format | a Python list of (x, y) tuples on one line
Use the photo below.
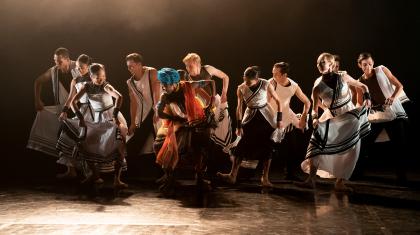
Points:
[(335, 144), (285, 93), (257, 101)]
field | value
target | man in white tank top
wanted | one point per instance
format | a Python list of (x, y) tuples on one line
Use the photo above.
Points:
[(285, 89), (144, 90)]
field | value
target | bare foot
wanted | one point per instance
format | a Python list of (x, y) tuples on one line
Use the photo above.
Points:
[(228, 178), (266, 183), (120, 185)]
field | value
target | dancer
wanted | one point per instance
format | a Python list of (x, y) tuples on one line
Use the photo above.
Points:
[(294, 124), (185, 130), (222, 134), (256, 126), (144, 90), (387, 113), (335, 143), (105, 136), (44, 132), (66, 143)]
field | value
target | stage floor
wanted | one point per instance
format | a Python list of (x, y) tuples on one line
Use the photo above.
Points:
[(66, 208)]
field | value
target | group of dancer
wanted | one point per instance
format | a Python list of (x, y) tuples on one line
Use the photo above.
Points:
[(178, 115)]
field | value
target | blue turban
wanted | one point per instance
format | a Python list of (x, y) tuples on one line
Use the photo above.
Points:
[(168, 76)]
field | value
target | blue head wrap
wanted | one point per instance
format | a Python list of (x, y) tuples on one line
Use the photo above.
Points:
[(168, 76)]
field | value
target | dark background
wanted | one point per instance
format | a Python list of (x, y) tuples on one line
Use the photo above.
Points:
[(229, 35)]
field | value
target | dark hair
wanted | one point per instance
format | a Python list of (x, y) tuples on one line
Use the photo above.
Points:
[(283, 66), (363, 56), (95, 68), (136, 57), (61, 51), (252, 72), (84, 59)]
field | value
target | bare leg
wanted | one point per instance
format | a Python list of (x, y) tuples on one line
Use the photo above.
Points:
[(117, 175), (118, 167), (265, 182), (231, 177), (95, 175), (310, 181), (341, 187)]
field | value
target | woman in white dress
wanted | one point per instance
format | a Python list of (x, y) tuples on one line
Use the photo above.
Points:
[(66, 143), (335, 143), (105, 135)]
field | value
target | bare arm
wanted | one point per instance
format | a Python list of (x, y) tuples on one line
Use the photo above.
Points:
[(75, 99), (220, 74), (273, 94), (63, 114), (358, 85), (305, 100), (155, 87), (45, 77), (354, 83), (394, 81), (315, 103), (239, 109), (133, 111), (306, 106), (114, 93), (204, 83), (72, 92)]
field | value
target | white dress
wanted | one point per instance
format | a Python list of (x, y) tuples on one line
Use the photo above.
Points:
[(103, 137), (335, 144), (65, 143)]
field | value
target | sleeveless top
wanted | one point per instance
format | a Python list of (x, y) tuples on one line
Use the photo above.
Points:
[(143, 91), (387, 89), (285, 93), (256, 100), (61, 82), (80, 82), (334, 94)]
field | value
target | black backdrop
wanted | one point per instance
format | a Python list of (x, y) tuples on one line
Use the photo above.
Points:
[(229, 35)]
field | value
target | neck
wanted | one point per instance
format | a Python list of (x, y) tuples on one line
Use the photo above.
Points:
[(65, 69), (368, 74), (139, 75), (281, 80)]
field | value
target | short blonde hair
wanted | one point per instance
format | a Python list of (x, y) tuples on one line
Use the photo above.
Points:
[(328, 56), (191, 57)]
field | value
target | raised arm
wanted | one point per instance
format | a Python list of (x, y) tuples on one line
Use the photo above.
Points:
[(45, 77), (220, 74)]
